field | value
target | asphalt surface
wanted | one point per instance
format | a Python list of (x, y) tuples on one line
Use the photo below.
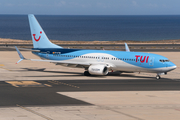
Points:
[(47, 96)]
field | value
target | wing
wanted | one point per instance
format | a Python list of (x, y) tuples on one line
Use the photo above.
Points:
[(58, 62)]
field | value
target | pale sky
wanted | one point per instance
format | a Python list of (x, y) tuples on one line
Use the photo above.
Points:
[(91, 7)]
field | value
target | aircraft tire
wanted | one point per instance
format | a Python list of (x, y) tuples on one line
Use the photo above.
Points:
[(86, 73), (158, 77)]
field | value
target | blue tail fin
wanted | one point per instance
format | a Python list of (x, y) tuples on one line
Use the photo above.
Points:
[(39, 38)]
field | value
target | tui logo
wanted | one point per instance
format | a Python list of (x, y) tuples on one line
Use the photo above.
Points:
[(142, 60), (38, 38)]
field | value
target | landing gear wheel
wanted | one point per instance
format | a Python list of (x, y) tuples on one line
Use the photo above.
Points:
[(120, 73), (86, 73), (158, 77)]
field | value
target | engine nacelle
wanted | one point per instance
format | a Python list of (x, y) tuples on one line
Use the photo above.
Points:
[(98, 70)]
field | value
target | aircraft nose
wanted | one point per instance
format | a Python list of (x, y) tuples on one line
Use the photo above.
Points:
[(174, 66), (171, 66)]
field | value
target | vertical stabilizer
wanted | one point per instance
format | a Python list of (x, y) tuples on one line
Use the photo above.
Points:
[(39, 38)]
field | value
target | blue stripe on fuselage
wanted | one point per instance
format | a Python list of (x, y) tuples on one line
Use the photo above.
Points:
[(129, 57)]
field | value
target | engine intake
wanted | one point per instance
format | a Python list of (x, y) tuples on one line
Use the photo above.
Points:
[(98, 70)]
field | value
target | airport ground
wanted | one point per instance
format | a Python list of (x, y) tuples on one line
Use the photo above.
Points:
[(39, 90)]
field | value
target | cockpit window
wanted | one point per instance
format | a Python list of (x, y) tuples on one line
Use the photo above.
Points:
[(164, 60)]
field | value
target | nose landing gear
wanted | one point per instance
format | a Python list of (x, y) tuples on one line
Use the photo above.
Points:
[(158, 77)]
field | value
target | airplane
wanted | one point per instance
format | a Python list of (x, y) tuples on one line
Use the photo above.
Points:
[(95, 62)]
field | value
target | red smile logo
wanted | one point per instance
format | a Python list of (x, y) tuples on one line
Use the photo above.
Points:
[(38, 38)]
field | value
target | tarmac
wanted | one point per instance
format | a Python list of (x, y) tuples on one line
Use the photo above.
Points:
[(43, 91)]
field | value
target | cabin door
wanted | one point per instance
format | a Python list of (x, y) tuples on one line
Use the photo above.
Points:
[(47, 54), (151, 61)]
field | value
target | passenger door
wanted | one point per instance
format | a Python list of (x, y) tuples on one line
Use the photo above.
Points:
[(151, 61)]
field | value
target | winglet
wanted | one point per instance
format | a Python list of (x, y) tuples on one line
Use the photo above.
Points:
[(20, 55), (127, 48)]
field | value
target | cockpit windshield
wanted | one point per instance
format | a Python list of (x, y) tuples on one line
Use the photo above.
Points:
[(163, 60)]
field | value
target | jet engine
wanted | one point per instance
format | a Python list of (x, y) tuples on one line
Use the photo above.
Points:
[(98, 70)]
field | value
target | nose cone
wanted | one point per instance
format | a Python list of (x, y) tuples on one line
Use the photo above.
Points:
[(171, 66)]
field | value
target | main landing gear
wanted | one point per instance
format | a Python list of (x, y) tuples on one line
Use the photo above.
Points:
[(86, 73)]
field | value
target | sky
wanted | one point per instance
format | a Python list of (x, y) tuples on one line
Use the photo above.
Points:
[(90, 7)]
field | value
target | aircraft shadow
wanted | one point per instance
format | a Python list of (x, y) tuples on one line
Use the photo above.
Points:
[(76, 74), (43, 70)]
